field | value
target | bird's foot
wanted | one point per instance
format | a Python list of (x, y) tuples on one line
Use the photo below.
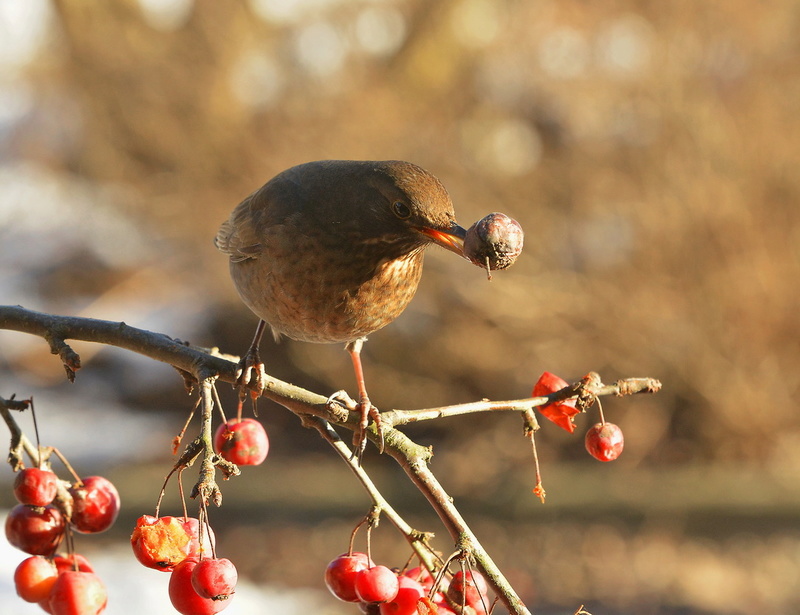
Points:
[(367, 411), (251, 378), (340, 405)]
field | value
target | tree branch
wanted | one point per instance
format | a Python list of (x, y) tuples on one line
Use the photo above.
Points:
[(316, 411)]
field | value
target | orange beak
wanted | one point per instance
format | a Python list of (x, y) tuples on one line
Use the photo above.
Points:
[(451, 239)]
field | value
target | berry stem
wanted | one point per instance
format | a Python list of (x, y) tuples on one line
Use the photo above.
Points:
[(369, 543), (538, 489), (219, 404), (353, 535), (69, 539), (176, 441), (70, 469), (181, 493), (440, 574), (36, 433), (205, 528), (531, 426)]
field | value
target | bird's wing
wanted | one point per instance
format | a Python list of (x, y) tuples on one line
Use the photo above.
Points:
[(237, 236)]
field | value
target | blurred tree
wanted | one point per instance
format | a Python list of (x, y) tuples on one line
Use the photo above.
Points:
[(648, 149)]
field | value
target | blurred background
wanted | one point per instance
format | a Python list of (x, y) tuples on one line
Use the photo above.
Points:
[(650, 152)]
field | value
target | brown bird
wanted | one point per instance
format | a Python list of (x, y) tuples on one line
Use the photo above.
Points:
[(330, 251)]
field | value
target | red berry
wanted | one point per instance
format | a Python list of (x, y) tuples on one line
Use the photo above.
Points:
[(604, 441), (215, 578), (377, 584), (34, 577), (74, 561), (244, 442), (35, 530), (162, 543), (95, 505), (340, 575), (183, 596), (471, 589), (407, 598), (35, 487), (421, 575), (78, 593)]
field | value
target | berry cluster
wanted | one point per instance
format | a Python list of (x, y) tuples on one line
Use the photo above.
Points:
[(354, 577), (49, 510), (200, 583)]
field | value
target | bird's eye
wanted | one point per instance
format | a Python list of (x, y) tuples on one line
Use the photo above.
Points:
[(401, 210)]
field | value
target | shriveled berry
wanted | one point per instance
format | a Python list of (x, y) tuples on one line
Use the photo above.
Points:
[(35, 487), (604, 441), (471, 589), (561, 413), (495, 241)]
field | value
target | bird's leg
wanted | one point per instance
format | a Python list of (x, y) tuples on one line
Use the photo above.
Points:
[(364, 407), (250, 374)]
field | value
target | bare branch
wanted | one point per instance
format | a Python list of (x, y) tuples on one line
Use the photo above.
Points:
[(317, 412)]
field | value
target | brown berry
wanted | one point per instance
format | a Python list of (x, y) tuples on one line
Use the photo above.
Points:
[(494, 241)]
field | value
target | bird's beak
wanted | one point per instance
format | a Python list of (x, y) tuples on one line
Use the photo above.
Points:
[(452, 239)]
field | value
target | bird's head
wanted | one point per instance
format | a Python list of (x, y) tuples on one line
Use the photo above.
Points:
[(415, 206)]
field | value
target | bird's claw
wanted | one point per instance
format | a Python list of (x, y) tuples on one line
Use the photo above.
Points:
[(367, 412), (340, 404), (342, 398), (251, 378)]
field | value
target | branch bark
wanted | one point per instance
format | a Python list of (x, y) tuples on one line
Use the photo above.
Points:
[(316, 411)]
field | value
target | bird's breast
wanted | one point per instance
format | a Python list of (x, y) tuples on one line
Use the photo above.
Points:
[(327, 296)]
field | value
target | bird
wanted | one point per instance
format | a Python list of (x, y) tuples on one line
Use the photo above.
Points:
[(331, 251)]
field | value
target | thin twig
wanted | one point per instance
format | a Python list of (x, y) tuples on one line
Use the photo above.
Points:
[(316, 410), (419, 541), (19, 441)]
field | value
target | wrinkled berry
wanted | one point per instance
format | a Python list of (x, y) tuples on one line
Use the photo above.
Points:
[(494, 241)]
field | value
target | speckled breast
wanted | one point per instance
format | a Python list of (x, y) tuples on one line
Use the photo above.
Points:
[(316, 300)]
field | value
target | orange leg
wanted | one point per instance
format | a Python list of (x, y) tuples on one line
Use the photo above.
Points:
[(364, 407)]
